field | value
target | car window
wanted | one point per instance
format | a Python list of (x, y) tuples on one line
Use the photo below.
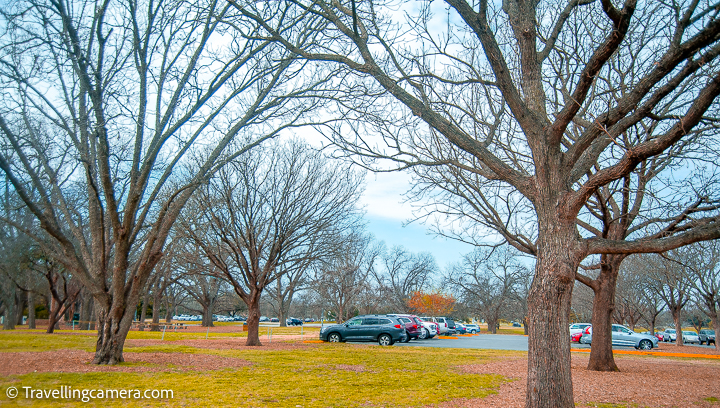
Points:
[(354, 322), (384, 321), (616, 329), (370, 321), (404, 319)]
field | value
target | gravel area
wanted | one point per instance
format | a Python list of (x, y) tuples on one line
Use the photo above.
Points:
[(642, 382)]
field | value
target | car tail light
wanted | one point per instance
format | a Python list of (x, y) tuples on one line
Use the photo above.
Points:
[(397, 326), (414, 326)]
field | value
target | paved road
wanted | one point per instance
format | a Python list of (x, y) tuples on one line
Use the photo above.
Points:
[(483, 341), (499, 342)]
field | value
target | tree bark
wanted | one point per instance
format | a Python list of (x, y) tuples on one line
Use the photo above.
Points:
[(155, 325), (549, 376), (31, 309), (678, 325), (9, 321), (601, 354), (86, 311), (114, 322), (207, 318), (253, 320), (143, 312)]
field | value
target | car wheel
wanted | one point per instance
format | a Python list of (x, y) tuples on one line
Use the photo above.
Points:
[(472, 331), (407, 338), (645, 345), (385, 340), (423, 334), (334, 338)]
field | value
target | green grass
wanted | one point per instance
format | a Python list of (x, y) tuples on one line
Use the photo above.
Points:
[(711, 399), (316, 375), (11, 341)]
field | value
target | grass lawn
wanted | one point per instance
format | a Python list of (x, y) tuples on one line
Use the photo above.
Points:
[(306, 375)]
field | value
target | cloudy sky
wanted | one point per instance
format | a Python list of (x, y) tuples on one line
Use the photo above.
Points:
[(386, 213)]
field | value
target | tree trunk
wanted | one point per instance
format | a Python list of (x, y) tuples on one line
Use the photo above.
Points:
[(155, 326), (253, 320), (53, 315), (207, 320), (31, 310), (525, 325), (143, 312), (549, 380), (492, 325), (9, 320), (113, 327), (716, 327), (678, 326), (601, 354), (168, 311), (86, 311), (21, 300)]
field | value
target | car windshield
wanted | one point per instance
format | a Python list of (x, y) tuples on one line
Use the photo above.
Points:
[(689, 333), (670, 331), (712, 332)]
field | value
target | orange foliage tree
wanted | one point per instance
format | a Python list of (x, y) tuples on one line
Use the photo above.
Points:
[(431, 304)]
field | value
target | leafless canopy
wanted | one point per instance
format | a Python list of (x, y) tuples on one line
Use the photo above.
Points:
[(103, 103)]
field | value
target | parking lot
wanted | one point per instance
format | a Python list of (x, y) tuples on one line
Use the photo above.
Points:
[(505, 342)]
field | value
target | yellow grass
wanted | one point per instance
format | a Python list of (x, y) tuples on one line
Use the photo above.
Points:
[(316, 375)]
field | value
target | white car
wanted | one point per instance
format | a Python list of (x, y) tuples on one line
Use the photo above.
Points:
[(669, 335), (441, 323), (578, 327), (690, 337)]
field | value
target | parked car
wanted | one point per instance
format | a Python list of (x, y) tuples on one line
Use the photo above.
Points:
[(264, 319), (441, 322), (309, 320), (274, 320), (659, 335), (578, 327), (690, 337), (472, 328), (293, 322), (384, 329), (412, 327), (669, 335), (429, 329), (707, 336), (576, 337), (622, 336), (460, 328), (451, 326)]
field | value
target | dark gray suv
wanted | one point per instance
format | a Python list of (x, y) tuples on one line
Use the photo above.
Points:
[(386, 330)]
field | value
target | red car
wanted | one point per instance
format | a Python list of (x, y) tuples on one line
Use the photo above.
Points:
[(412, 325), (576, 337)]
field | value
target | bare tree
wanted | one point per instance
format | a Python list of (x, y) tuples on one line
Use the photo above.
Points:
[(518, 121), (401, 273), (271, 212), (342, 279), (287, 284), (489, 280), (672, 284), (703, 264), (105, 102)]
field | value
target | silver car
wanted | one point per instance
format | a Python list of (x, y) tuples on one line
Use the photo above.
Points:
[(622, 336)]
